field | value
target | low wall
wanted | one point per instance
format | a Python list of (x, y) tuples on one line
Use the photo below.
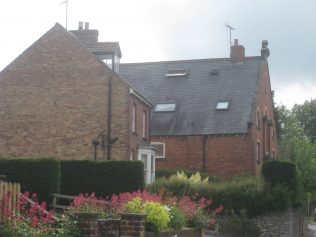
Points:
[(287, 223)]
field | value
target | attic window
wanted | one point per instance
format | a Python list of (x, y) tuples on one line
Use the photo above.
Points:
[(177, 73), (222, 105), (165, 107), (214, 71)]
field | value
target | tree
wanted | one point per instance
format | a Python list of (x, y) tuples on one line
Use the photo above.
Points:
[(306, 117)]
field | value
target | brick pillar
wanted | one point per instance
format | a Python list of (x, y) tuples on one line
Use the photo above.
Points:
[(88, 224), (109, 227), (132, 225)]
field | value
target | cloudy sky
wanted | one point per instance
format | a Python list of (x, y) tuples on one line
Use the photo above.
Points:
[(154, 30)]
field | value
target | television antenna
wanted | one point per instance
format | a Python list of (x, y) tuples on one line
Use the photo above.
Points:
[(66, 3), (230, 28)]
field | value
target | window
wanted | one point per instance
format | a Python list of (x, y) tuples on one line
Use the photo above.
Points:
[(258, 118), (165, 107), (160, 152), (258, 151), (144, 124), (144, 159), (134, 118), (177, 73), (222, 105)]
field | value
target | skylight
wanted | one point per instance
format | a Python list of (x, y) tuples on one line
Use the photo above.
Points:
[(177, 73), (222, 105), (165, 107)]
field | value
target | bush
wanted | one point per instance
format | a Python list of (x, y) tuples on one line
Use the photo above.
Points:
[(166, 173), (285, 173), (102, 177), (37, 175), (177, 218)]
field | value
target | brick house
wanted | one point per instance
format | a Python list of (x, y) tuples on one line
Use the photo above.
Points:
[(213, 115), (57, 99)]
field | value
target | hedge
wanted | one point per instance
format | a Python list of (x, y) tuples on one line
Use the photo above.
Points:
[(102, 177), (278, 172), (37, 175)]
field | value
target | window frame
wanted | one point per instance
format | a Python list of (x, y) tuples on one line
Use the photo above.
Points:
[(163, 149), (144, 122), (134, 117), (219, 105)]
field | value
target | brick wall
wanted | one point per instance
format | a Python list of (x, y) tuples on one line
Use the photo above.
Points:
[(54, 102), (224, 155)]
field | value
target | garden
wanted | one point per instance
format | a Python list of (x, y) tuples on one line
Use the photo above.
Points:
[(177, 200)]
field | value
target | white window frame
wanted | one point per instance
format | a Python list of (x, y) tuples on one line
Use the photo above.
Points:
[(222, 105), (163, 149), (144, 124), (134, 118), (165, 107)]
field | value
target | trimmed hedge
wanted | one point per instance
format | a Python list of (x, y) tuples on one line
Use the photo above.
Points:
[(278, 172), (37, 175), (102, 177)]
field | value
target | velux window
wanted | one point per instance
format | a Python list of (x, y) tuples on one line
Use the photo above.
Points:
[(222, 105), (177, 73), (166, 107)]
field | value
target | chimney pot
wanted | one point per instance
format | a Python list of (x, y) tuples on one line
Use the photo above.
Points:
[(235, 42), (80, 27), (265, 52), (86, 25)]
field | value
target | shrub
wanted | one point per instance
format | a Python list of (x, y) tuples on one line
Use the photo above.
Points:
[(285, 173), (166, 173), (177, 218), (37, 175), (102, 177)]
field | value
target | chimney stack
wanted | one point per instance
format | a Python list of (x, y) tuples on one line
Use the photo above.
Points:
[(80, 25), (86, 25), (265, 52), (237, 52)]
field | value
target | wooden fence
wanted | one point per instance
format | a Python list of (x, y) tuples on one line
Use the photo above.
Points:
[(11, 193)]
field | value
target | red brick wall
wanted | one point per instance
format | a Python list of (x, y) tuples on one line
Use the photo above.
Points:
[(54, 102), (224, 155), (264, 132), (136, 138)]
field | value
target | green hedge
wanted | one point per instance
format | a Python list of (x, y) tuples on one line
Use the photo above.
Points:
[(285, 173), (103, 178), (38, 175)]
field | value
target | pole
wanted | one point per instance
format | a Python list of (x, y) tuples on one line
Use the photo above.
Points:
[(66, 14)]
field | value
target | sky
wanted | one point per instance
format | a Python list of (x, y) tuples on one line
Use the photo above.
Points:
[(156, 30)]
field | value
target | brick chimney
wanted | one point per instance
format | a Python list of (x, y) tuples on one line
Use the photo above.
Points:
[(86, 36), (237, 52)]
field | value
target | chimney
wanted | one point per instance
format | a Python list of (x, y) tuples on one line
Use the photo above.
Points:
[(265, 52), (80, 25), (86, 25), (237, 52)]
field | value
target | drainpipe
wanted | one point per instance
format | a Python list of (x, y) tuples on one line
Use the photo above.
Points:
[(109, 120), (204, 154)]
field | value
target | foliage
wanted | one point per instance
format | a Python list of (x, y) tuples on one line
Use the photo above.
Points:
[(37, 175), (306, 117), (33, 220), (285, 173), (295, 144), (177, 218), (166, 173), (102, 177), (236, 226), (157, 217)]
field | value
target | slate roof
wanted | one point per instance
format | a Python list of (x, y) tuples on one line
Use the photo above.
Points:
[(197, 94), (105, 47)]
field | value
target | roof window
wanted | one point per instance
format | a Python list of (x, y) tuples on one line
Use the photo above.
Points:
[(177, 73), (214, 71), (222, 105), (165, 107)]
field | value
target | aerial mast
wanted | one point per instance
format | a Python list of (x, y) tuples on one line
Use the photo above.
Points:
[(230, 28)]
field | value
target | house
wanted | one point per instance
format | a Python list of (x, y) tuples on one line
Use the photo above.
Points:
[(212, 115), (68, 96), (58, 99)]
